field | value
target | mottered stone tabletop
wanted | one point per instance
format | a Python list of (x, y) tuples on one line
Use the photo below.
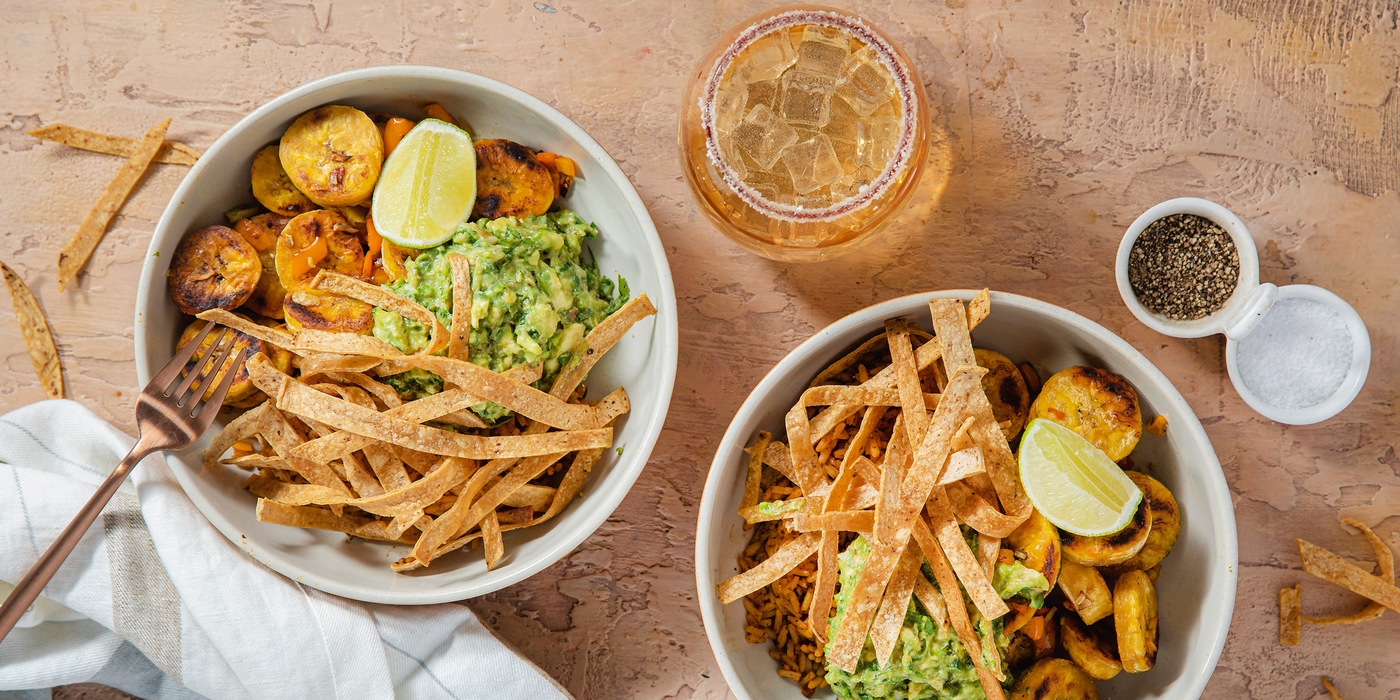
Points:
[(1062, 122)]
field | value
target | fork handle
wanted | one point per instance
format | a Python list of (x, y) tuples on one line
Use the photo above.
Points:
[(38, 575)]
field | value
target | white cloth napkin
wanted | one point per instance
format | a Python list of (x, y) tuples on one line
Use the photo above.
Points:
[(156, 602)]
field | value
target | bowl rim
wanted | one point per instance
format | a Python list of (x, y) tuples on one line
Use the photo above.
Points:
[(632, 463), (1219, 495)]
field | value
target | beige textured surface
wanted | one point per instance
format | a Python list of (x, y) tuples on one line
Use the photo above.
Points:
[(1064, 119)]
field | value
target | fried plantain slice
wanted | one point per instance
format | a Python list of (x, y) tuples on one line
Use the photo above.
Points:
[(273, 189), (242, 387), (213, 268), (344, 253), (510, 181), (1036, 544), (1166, 525), (1092, 649), (1005, 389), (1055, 679), (1086, 592), (1111, 549), (333, 154), (1097, 404), (308, 308), (1135, 620), (267, 298)]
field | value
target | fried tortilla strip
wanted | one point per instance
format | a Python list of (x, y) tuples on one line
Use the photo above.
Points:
[(259, 461), (516, 396), (309, 340), (803, 458), (326, 363), (284, 438), (1290, 627), (425, 409), (977, 513), (787, 558), (956, 610), (1326, 565), (777, 456), (461, 331), (281, 339), (988, 548), (170, 152), (819, 612), (1327, 683), (891, 475), (769, 511), (906, 380), (962, 464), (850, 359), (75, 255), (1385, 567), (599, 341), (889, 620), (375, 295), (319, 518), (838, 521), (532, 496), (979, 308), (292, 494), (385, 393), (37, 338), (932, 600), (491, 536), (420, 494), (755, 471), (388, 468), (971, 573), (238, 429), (845, 648)]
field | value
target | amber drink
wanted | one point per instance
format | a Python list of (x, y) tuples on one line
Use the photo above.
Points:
[(803, 133)]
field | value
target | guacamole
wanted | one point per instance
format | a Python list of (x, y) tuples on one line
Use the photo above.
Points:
[(533, 298), (928, 661)]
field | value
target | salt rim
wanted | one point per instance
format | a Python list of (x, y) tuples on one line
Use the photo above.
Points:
[(855, 27)]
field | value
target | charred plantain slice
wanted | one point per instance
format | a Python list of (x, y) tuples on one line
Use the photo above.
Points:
[(1135, 621), (242, 386), (1097, 404), (1036, 544), (1005, 389), (213, 268), (333, 154), (1086, 591), (273, 189), (1092, 649), (1166, 526), (1055, 679), (510, 181), (344, 253), (308, 308), (1116, 548)]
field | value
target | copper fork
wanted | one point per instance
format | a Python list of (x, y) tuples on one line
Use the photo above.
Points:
[(166, 420)]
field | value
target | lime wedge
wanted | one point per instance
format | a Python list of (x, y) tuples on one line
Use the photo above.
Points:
[(428, 186), (1073, 483)]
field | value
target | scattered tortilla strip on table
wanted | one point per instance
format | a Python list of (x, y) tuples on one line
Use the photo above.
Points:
[(171, 152), (75, 255), (1327, 683), (1290, 628), (37, 339), (1325, 565), (794, 552), (1385, 567)]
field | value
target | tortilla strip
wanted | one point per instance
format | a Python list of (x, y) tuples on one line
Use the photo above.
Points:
[(325, 363), (787, 558), (970, 572), (977, 513), (755, 471), (292, 494), (76, 253), (518, 516), (1290, 626), (889, 620), (401, 523), (280, 338), (425, 409), (845, 648), (819, 612), (837, 521), (308, 340), (809, 474), (171, 152), (1326, 565), (238, 429), (362, 480), (845, 363), (1327, 683), (932, 600), (284, 438), (418, 495), (988, 548), (375, 295), (1385, 568), (459, 336), (533, 496), (464, 419), (769, 511), (516, 396), (776, 455), (388, 468), (906, 380), (956, 610), (385, 393), (259, 461), (491, 537), (897, 456), (37, 339), (864, 396), (319, 518), (979, 308), (599, 341), (962, 464)]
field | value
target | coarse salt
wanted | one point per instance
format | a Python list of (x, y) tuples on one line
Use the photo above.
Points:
[(1297, 356)]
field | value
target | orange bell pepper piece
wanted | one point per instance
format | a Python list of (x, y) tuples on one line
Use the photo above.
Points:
[(254, 235), (305, 260), (394, 132), (376, 244), (438, 112)]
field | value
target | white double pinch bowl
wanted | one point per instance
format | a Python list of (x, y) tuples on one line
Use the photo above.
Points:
[(1243, 311)]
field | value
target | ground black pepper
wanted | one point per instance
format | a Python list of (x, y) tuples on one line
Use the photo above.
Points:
[(1183, 267)]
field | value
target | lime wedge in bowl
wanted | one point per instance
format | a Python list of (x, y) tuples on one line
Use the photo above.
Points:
[(428, 186), (1073, 483)]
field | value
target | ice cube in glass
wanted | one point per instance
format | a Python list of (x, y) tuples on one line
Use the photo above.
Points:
[(730, 103), (822, 50), (812, 164), (865, 82), (762, 136), (806, 98), (770, 55)]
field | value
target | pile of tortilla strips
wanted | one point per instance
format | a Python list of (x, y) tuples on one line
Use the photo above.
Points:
[(948, 463), (1379, 589), (336, 449)]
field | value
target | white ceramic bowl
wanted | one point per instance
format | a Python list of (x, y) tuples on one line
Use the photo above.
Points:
[(1196, 590), (644, 362)]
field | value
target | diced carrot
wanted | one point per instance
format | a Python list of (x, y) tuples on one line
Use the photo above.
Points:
[(546, 158), (566, 166), (376, 244), (305, 260), (438, 112), (394, 132), (254, 235)]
